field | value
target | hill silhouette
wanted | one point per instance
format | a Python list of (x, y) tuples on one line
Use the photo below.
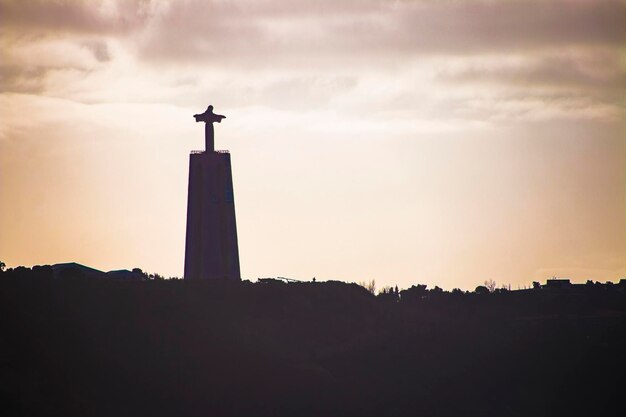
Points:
[(76, 345)]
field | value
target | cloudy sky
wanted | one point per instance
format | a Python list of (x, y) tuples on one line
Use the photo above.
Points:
[(440, 142)]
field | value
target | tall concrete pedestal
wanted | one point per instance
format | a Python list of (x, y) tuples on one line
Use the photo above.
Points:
[(211, 250)]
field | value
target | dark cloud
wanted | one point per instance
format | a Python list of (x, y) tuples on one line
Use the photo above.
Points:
[(99, 49), (596, 75), (71, 16), (510, 25), (310, 31), (17, 79), (31, 79)]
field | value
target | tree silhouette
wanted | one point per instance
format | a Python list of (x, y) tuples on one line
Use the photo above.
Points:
[(83, 345), (481, 289), (369, 286), (491, 285)]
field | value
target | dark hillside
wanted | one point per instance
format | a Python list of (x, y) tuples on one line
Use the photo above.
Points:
[(78, 346)]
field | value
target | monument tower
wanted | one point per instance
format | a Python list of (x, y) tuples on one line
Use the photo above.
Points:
[(211, 250)]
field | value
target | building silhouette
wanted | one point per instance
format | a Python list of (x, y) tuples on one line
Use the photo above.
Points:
[(211, 249)]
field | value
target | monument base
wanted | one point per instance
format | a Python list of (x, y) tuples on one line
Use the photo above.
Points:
[(211, 250)]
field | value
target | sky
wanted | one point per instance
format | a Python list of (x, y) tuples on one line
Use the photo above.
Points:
[(442, 142)]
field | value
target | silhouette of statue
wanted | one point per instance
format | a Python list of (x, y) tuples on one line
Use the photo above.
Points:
[(208, 117)]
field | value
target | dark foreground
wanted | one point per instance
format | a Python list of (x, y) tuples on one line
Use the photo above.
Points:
[(84, 347)]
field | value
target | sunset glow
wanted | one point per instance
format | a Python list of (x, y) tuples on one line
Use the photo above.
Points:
[(435, 142)]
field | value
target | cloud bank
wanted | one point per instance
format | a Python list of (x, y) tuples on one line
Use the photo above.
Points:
[(323, 51)]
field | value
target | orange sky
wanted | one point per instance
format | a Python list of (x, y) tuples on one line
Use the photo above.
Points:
[(443, 143)]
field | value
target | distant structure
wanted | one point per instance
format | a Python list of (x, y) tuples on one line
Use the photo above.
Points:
[(558, 283), (211, 249), (76, 269)]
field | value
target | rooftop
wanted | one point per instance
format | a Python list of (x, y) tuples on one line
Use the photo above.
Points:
[(216, 151)]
